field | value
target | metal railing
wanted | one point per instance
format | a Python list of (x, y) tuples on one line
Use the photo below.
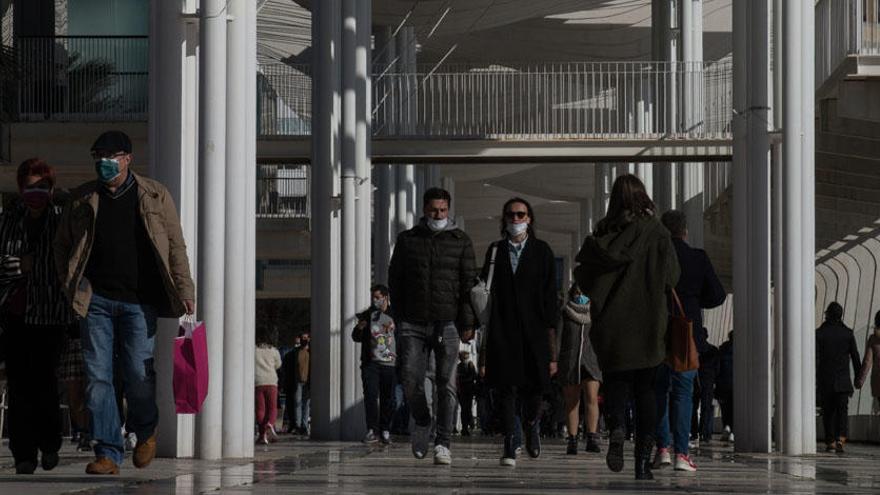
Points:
[(82, 78), (284, 100), (283, 191), (844, 28), (553, 101)]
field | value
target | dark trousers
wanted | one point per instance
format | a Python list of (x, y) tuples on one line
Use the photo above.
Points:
[(835, 415), (725, 400), (506, 401), (32, 354), (707, 412), (466, 402), (619, 387), (378, 395), (415, 344)]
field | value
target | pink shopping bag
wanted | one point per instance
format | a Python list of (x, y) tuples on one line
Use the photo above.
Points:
[(190, 367)]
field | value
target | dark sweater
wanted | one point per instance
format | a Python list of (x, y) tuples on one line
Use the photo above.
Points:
[(122, 263)]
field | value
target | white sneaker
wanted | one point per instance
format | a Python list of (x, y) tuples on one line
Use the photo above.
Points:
[(731, 439), (684, 463), (725, 435), (662, 459), (419, 439), (508, 462), (386, 437), (442, 456), (370, 437)]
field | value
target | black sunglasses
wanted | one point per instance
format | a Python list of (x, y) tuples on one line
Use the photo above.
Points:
[(517, 214)]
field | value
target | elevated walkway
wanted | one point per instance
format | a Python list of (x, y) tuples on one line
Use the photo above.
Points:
[(297, 149)]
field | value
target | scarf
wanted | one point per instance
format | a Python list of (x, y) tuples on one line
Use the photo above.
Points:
[(578, 313)]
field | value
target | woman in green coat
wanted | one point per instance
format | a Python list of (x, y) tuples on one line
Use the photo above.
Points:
[(628, 267)]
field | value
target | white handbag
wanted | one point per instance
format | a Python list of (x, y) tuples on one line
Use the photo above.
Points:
[(481, 293)]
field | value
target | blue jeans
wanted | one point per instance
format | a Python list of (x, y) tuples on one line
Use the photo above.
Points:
[(301, 404), (130, 328), (675, 392)]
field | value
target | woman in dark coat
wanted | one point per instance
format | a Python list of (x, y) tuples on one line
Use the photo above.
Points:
[(35, 318), (628, 266), (579, 371), (521, 333)]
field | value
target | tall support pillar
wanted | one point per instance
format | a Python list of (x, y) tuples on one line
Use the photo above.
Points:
[(212, 214), (448, 183), (691, 174), (807, 164), (250, 214), (363, 165), (751, 229), (798, 209), (172, 138), (326, 156), (241, 63), (665, 24), (382, 231), (408, 178), (602, 185)]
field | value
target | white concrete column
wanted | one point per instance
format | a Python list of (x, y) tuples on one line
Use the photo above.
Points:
[(326, 164), (173, 151), (240, 163), (603, 183), (407, 178), (751, 229), (349, 214), (692, 183), (807, 198), (586, 220), (212, 215), (448, 183), (665, 32), (250, 215), (382, 235)]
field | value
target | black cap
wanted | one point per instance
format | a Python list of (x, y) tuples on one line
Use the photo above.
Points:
[(113, 141)]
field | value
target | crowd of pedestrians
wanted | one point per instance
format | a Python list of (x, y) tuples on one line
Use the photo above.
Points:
[(82, 286)]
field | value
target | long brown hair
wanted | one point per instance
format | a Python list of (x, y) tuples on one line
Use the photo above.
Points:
[(629, 199)]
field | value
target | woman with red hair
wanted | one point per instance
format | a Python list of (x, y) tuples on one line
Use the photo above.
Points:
[(34, 316)]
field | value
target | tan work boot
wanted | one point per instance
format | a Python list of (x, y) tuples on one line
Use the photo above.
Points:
[(102, 465), (144, 452)]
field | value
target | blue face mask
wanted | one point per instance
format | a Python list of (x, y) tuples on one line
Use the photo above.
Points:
[(581, 300), (107, 169)]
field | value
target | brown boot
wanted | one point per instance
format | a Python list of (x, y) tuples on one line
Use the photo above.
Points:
[(144, 452), (102, 465)]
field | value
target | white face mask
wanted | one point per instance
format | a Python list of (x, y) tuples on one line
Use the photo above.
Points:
[(377, 303), (515, 229), (437, 225)]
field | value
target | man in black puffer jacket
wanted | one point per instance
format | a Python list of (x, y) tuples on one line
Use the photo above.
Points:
[(430, 276)]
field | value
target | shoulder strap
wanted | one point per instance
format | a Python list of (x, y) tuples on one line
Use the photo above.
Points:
[(678, 303), (491, 266)]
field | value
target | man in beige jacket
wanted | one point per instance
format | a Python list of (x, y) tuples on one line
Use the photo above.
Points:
[(122, 262)]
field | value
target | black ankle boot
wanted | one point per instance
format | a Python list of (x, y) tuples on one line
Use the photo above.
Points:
[(643, 449), (572, 448), (533, 440), (592, 443)]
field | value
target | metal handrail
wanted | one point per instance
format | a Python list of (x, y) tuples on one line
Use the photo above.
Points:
[(82, 78), (283, 192), (844, 28), (523, 101)]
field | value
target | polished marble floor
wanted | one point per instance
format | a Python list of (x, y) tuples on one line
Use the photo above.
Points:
[(296, 465)]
